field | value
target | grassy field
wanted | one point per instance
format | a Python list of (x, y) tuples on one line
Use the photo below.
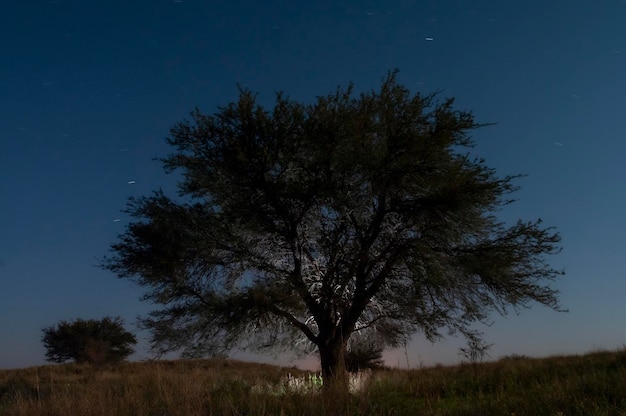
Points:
[(591, 384)]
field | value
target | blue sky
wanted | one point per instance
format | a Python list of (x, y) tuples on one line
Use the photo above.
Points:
[(89, 90)]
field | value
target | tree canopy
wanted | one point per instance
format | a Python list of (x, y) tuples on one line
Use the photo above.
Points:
[(88, 341), (299, 225)]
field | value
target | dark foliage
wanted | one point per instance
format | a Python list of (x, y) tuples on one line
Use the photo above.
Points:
[(363, 354), (88, 341), (299, 225)]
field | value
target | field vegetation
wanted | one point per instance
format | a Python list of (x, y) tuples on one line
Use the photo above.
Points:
[(590, 384)]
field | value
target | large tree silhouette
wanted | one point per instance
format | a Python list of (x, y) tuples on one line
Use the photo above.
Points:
[(299, 225)]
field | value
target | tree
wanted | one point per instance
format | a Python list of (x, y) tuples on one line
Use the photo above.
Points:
[(363, 353), (297, 226), (88, 341), (475, 351)]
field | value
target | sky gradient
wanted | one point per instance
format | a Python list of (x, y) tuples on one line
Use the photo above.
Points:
[(89, 90)]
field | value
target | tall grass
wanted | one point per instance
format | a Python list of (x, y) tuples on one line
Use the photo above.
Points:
[(591, 384)]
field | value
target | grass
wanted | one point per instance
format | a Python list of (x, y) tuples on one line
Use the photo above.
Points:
[(591, 384)]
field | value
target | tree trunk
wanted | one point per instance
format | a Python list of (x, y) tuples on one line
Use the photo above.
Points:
[(335, 391), (333, 363)]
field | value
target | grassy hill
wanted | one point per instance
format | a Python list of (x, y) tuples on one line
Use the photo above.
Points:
[(591, 384)]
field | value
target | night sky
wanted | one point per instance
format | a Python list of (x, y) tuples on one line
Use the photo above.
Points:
[(89, 90)]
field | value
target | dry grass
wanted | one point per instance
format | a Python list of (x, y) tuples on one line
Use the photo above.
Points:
[(592, 384)]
